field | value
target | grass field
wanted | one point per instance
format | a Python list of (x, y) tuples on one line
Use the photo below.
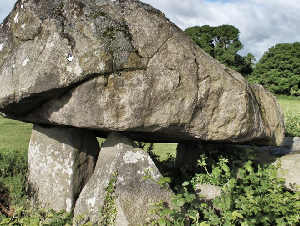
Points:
[(14, 134), (292, 105)]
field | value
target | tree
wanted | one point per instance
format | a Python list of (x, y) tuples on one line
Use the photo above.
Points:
[(249, 63), (279, 69), (203, 37), (222, 43)]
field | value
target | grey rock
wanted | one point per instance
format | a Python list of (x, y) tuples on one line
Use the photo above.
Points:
[(290, 170), (132, 71), (207, 192), (290, 145), (296, 145), (289, 162), (60, 162), (120, 154), (187, 154)]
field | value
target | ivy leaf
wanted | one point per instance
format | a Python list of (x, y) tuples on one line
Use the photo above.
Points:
[(163, 181), (248, 166), (236, 215), (186, 183), (50, 215), (163, 222), (181, 202)]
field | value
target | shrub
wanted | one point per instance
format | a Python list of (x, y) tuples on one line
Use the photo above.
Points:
[(253, 196), (13, 170), (26, 216)]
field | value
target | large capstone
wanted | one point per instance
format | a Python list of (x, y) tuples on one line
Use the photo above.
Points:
[(60, 162), (123, 66)]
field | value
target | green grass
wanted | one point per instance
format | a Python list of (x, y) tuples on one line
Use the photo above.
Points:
[(163, 150), (291, 109), (14, 135), (291, 105)]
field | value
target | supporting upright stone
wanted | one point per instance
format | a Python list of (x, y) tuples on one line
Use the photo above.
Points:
[(187, 155), (60, 162), (120, 154)]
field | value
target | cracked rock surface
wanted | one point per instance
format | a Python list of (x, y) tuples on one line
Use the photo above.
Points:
[(132, 193), (60, 163), (132, 71)]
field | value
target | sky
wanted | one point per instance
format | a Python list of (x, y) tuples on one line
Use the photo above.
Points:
[(262, 23)]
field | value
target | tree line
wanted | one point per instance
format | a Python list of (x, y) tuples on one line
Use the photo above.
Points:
[(278, 69)]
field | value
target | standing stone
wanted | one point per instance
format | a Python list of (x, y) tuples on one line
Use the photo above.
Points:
[(187, 155), (60, 162), (120, 154)]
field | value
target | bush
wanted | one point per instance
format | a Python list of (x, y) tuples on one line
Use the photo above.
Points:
[(13, 170), (252, 194), (26, 217), (14, 208)]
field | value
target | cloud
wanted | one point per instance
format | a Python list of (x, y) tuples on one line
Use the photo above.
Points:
[(262, 23)]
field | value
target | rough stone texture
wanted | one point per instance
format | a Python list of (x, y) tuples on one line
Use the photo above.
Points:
[(290, 171), (290, 145), (122, 155), (295, 147), (60, 162), (133, 71), (209, 191), (187, 154), (290, 162)]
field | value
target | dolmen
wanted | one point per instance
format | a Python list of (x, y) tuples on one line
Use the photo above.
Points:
[(81, 69)]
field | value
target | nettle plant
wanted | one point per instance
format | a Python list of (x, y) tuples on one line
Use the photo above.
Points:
[(252, 194)]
